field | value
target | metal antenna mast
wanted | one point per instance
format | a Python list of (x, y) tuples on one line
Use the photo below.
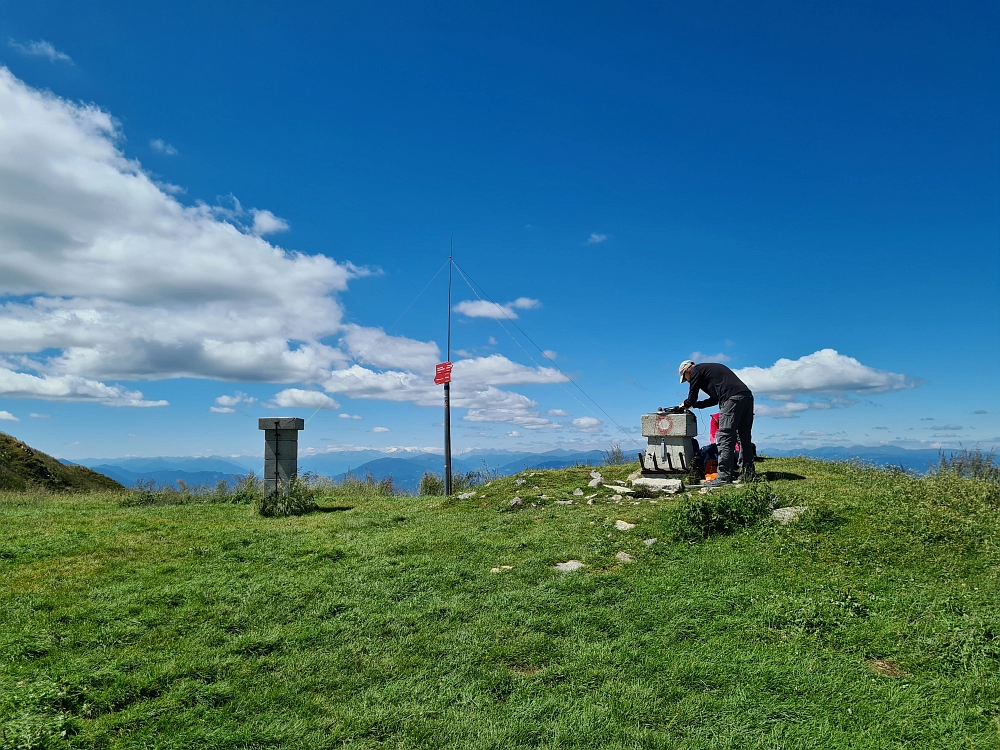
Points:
[(447, 386)]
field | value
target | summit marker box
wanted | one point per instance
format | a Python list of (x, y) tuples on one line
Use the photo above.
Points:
[(669, 425)]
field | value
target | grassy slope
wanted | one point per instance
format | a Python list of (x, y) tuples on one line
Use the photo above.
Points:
[(381, 626), (22, 468)]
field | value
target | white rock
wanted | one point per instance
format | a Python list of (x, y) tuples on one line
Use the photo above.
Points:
[(578, 492), (502, 569), (516, 501), (624, 525), (661, 485), (590, 502), (519, 482), (466, 495), (617, 498), (595, 482), (625, 557), (544, 497), (634, 475), (569, 566), (532, 475), (591, 497), (596, 475), (649, 542), (787, 515), (564, 502), (617, 488)]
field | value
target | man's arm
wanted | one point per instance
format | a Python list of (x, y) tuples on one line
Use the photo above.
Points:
[(706, 403), (692, 400)]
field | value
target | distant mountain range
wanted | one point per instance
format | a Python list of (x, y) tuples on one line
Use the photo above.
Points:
[(407, 468)]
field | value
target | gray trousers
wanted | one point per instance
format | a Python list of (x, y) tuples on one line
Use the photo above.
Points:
[(735, 425)]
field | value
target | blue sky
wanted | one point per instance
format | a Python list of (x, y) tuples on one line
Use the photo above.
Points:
[(203, 200)]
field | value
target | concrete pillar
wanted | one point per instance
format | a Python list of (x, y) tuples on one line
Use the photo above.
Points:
[(281, 451)]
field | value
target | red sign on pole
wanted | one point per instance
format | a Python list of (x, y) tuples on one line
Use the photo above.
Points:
[(442, 373)]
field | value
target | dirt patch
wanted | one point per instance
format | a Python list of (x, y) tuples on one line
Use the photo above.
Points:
[(887, 668)]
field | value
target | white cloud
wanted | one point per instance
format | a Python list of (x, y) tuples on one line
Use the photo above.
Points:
[(264, 222), (514, 434), (699, 357), (588, 424), (823, 372), (380, 429), (237, 398), (222, 409), (33, 415), (483, 309), (41, 48), (784, 411), (596, 238), (558, 413), (68, 388), (161, 146), (493, 342), (292, 398), (946, 427), (350, 416), (397, 352), (550, 354), (6, 416), (124, 282)]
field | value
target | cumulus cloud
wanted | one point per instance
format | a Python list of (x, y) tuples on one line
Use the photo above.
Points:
[(587, 424), (550, 354), (596, 238), (699, 357), (380, 429), (161, 146), (224, 404), (558, 413), (349, 416), (782, 411), (68, 388), (41, 48), (34, 415), (107, 269), (397, 352), (514, 434), (483, 309), (6, 416), (823, 372), (292, 398)]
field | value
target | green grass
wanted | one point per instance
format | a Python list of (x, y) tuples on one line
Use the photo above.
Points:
[(378, 624)]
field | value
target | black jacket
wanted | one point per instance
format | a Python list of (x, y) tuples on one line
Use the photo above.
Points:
[(718, 381)]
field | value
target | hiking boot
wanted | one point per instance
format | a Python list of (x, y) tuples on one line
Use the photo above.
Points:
[(718, 482)]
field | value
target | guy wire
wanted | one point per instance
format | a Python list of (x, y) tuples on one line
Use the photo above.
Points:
[(470, 282)]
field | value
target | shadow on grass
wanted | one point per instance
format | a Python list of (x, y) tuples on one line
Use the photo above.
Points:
[(776, 476), (333, 508)]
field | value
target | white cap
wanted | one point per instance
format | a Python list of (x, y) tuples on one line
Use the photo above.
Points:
[(686, 365)]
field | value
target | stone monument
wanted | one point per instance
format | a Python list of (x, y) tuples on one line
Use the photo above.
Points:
[(281, 452), (670, 442)]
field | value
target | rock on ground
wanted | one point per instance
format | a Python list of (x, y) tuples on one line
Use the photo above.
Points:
[(466, 495), (595, 482), (625, 557), (502, 569), (564, 502), (671, 486), (787, 515), (578, 492), (516, 501), (624, 525), (569, 566), (519, 482)]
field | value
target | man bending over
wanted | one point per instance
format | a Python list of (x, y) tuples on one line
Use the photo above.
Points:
[(735, 408)]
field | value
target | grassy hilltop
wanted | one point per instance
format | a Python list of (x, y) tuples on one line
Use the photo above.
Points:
[(24, 468), (872, 622)]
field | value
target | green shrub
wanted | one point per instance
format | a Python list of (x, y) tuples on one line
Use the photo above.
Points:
[(433, 484), (701, 516), (299, 500)]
